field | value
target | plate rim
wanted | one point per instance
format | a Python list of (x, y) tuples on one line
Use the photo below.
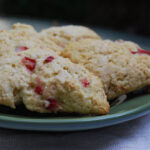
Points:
[(83, 119)]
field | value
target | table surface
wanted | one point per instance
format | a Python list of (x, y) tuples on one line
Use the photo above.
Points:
[(131, 135)]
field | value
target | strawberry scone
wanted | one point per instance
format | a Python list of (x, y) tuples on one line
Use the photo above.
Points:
[(123, 66), (47, 83), (61, 35), (20, 38)]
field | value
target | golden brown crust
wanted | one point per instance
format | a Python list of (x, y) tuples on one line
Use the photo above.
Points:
[(64, 34), (75, 88), (22, 36), (121, 69)]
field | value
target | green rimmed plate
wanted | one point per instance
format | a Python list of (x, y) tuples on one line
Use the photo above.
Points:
[(128, 110), (131, 109)]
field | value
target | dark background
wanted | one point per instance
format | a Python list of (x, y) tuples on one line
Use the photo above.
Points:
[(125, 15)]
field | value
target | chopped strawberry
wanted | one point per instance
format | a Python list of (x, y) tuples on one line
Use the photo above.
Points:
[(29, 63), (141, 51), (39, 88), (21, 48), (85, 82), (53, 104), (49, 59)]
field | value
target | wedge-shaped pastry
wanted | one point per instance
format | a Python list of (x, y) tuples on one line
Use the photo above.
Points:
[(20, 38), (62, 35), (122, 66), (45, 82)]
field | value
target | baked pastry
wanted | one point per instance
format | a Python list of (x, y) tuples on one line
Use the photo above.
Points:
[(47, 83), (62, 35), (22, 37), (123, 66)]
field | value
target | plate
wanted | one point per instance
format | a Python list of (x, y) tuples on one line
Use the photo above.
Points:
[(128, 110), (22, 119)]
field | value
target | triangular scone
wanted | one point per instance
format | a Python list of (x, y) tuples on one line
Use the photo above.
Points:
[(61, 35), (122, 66), (47, 83), (20, 38)]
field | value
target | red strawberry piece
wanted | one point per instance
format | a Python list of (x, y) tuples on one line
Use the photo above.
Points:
[(141, 51), (29, 63), (85, 82), (53, 104), (39, 88), (49, 59), (21, 48)]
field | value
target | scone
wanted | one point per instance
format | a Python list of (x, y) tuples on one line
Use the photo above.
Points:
[(62, 35), (123, 66), (20, 38), (47, 83), (128, 44)]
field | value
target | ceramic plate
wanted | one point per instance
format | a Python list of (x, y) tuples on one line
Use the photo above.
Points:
[(132, 108)]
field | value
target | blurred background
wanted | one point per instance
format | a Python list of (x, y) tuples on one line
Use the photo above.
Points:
[(123, 15)]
